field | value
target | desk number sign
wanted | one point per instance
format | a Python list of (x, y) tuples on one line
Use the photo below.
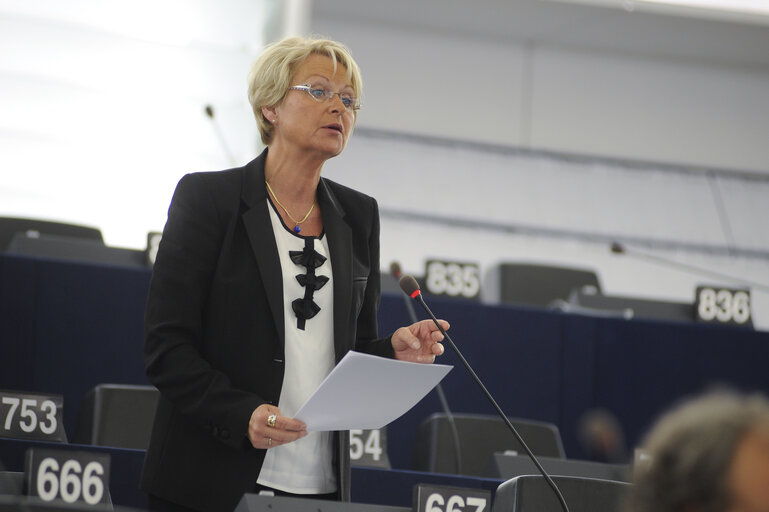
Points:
[(440, 498), (31, 416), (369, 448), (453, 279), (714, 304), (70, 476)]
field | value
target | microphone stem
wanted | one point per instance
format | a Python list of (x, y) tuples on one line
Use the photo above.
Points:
[(686, 267), (496, 406), (410, 308), (220, 135), (442, 398), (452, 425)]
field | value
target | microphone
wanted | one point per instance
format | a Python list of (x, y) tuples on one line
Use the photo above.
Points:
[(410, 287), (618, 248), (222, 141), (397, 273)]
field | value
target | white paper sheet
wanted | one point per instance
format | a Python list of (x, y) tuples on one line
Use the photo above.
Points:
[(368, 392)]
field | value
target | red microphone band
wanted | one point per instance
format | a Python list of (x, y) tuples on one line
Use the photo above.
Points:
[(416, 293)]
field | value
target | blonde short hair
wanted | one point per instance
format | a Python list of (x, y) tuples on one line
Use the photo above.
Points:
[(271, 74)]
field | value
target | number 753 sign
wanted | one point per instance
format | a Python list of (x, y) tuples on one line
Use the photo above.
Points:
[(31, 416)]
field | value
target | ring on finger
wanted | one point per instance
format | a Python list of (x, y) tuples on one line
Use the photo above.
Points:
[(271, 419)]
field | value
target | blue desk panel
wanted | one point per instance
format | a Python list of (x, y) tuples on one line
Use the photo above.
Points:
[(369, 485), (125, 467), (65, 327)]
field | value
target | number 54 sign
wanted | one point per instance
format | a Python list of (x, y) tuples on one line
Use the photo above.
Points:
[(369, 448)]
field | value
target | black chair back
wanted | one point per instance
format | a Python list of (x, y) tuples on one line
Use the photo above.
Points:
[(480, 436), (531, 493), (541, 285), (11, 483), (10, 226), (117, 415)]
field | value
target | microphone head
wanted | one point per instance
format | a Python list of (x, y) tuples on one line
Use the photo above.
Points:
[(617, 248), (409, 285), (210, 111), (395, 270)]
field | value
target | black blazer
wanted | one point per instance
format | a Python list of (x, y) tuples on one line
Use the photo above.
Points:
[(214, 330)]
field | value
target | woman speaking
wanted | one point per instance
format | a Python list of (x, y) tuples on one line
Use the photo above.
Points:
[(266, 276)]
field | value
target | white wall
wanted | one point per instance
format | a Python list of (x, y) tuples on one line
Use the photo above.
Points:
[(540, 95), (662, 110), (103, 105), (632, 110)]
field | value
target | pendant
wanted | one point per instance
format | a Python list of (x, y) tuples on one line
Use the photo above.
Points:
[(297, 229)]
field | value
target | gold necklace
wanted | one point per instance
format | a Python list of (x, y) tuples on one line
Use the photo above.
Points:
[(297, 229)]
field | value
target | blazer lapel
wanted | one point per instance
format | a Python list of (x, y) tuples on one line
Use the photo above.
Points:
[(256, 219), (340, 246)]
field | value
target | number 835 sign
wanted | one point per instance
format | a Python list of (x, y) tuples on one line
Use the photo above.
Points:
[(453, 279)]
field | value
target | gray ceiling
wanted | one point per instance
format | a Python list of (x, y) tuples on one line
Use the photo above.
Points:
[(573, 25)]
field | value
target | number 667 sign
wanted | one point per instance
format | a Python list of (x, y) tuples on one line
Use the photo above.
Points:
[(441, 498)]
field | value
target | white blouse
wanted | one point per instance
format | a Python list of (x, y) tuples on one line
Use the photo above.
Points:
[(303, 466)]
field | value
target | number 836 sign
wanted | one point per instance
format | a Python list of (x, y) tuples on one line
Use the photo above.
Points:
[(723, 305)]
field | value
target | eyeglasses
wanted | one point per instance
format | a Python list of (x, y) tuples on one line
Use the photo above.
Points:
[(320, 93)]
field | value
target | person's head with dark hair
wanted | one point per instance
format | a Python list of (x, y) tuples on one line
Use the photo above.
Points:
[(601, 436), (709, 454)]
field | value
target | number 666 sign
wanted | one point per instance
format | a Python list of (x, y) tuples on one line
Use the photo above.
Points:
[(70, 476)]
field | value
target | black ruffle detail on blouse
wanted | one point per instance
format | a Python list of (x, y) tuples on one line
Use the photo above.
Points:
[(306, 308), (308, 257), (312, 281)]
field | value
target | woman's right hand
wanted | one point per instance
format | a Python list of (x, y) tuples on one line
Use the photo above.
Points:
[(267, 428)]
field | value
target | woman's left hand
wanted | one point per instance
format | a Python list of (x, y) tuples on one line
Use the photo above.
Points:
[(419, 342)]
